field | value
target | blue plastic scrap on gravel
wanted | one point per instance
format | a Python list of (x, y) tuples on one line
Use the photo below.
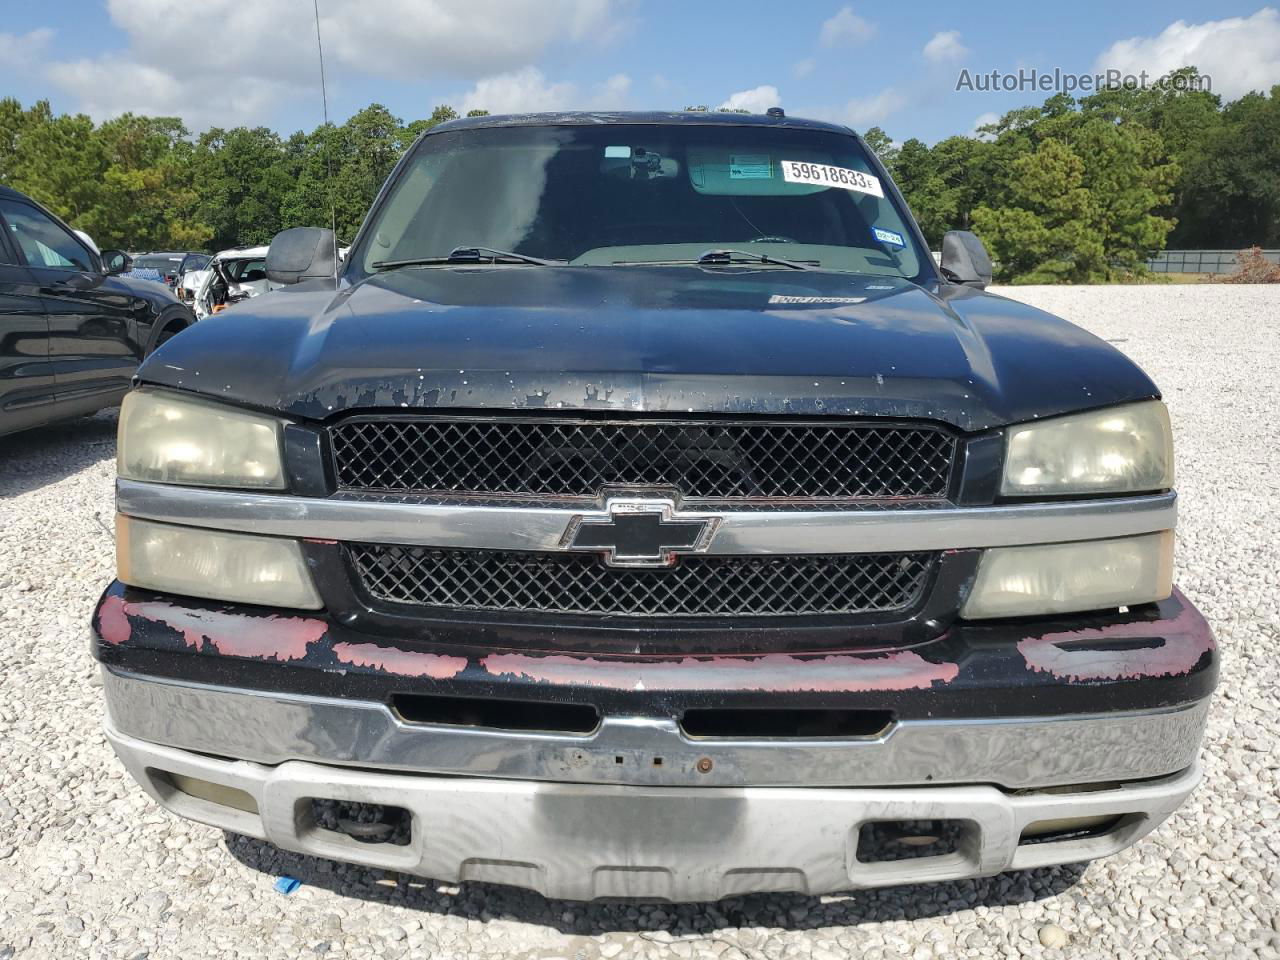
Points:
[(287, 885)]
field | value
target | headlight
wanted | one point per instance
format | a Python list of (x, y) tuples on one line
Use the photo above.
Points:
[(174, 439), (1068, 577), (240, 567), (1125, 449)]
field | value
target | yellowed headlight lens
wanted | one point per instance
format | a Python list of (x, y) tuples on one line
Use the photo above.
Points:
[(1069, 577), (214, 564), (168, 438), (1127, 449)]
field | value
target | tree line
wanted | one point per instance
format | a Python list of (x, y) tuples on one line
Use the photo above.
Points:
[(1071, 191), (1082, 191), (144, 183)]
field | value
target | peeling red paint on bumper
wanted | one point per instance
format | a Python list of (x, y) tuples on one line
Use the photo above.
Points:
[(230, 634), (113, 621), (403, 663), (1103, 654), (1152, 657), (772, 673)]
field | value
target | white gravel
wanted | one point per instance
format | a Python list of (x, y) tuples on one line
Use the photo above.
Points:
[(90, 867)]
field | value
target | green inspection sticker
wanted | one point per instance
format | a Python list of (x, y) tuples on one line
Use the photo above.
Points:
[(750, 167)]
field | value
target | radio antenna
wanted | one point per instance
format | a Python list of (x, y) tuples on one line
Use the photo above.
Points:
[(328, 153)]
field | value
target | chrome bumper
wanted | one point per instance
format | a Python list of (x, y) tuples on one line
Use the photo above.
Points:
[(1015, 753), (587, 841)]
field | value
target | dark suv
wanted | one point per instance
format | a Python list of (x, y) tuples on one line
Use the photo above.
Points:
[(72, 333), (637, 511)]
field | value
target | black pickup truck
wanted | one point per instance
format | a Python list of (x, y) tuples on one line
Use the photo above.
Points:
[(638, 511)]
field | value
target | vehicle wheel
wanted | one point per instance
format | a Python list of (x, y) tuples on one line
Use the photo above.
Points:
[(170, 324)]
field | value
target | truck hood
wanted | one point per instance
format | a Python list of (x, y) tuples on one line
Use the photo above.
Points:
[(655, 339)]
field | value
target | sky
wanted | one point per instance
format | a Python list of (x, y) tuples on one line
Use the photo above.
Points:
[(897, 66)]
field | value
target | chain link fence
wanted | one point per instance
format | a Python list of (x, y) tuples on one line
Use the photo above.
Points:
[(1201, 261)]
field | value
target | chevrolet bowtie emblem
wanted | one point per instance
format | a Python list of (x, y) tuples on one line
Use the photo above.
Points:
[(640, 533)]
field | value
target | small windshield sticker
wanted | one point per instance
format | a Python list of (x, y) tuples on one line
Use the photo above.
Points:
[(888, 236), (825, 175), (750, 167), (617, 152), (781, 298)]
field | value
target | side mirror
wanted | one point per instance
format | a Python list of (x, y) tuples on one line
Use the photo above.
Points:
[(965, 260), (303, 253), (115, 262)]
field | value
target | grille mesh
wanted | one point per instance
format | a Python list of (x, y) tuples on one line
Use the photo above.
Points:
[(702, 460), (697, 586)]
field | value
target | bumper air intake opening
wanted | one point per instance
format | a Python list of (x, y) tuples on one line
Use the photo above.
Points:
[(890, 841), (363, 822), (785, 724), (496, 713), (1073, 828)]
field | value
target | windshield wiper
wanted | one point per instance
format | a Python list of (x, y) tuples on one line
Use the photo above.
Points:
[(738, 256), (468, 255), (713, 258)]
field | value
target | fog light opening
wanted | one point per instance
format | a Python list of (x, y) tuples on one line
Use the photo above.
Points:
[(206, 790), (886, 841), (363, 822)]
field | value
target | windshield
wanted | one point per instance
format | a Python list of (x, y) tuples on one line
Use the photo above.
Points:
[(161, 262), (631, 194)]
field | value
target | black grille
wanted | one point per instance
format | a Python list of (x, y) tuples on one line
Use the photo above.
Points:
[(702, 460), (697, 586)]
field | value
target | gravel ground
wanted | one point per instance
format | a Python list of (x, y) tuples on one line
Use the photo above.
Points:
[(90, 867)]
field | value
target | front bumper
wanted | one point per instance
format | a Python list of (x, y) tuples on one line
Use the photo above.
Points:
[(589, 841), (1013, 752), (994, 725)]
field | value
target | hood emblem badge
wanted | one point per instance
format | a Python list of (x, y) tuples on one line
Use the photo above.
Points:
[(640, 532)]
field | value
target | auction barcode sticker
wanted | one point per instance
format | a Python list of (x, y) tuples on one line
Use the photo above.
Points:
[(822, 174)]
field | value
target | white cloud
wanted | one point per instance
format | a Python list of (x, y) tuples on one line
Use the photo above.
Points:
[(522, 91), (109, 86), (529, 91), (25, 49), (945, 45), (862, 112), (475, 39), (982, 120), (1239, 53), (845, 28), (804, 67), (265, 51), (612, 94), (756, 100)]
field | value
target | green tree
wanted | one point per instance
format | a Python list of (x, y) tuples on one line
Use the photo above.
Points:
[(882, 146), (147, 197), (944, 184), (1230, 192), (1079, 206), (240, 176), (58, 161), (13, 120)]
